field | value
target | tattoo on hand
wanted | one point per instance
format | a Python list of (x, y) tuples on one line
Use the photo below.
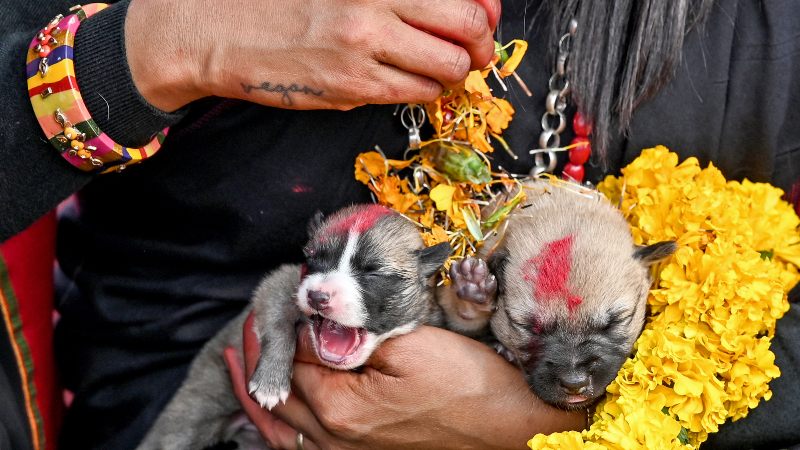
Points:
[(285, 91)]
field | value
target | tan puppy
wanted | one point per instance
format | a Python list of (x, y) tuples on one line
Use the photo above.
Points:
[(566, 296)]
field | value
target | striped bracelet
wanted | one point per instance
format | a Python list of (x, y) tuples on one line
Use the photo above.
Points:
[(58, 104)]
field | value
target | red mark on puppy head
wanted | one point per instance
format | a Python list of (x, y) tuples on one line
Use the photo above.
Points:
[(360, 221), (573, 301), (536, 326), (549, 271)]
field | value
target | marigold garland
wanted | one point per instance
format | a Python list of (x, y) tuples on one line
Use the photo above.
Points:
[(445, 187), (704, 355)]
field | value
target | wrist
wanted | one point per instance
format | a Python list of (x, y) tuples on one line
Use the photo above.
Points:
[(162, 53)]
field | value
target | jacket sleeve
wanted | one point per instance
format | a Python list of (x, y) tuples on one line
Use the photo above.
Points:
[(33, 177)]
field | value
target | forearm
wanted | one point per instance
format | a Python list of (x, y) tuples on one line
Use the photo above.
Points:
[(34, 178)]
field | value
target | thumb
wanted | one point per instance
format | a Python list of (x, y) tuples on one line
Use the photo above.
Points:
[(305, 348), (401, 355)]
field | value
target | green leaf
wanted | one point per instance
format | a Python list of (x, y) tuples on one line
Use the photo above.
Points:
[(683, 436), (498, 48), (502, 212), (473, 225)]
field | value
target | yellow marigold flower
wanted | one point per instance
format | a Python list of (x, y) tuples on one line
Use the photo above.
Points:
[(704, 355), (499, 115), (442, 196)]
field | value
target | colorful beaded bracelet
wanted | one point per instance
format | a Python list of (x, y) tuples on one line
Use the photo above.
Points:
[(58, 104)]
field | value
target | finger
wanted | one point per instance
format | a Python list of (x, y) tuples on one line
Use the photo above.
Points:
[(274, 431), (317, 385), (381, 83), (285, 419), (305, 350), (297, 415), (407, 355), (493, 11), (418, 52), (399, 86), (465, 22)]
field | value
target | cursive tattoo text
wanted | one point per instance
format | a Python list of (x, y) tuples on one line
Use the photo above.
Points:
[(285, 91)]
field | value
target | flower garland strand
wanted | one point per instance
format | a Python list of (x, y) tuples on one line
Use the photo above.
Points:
[(704, 356), (446, 187)]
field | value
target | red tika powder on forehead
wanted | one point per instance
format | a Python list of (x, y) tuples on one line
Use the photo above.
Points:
[(549, 271), (360, 221)]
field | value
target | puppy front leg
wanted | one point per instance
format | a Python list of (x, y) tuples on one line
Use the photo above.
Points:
[(198, 414), (469, 302), (276, 316)]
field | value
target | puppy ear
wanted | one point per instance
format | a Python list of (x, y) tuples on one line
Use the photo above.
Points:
[(431, 258), (497, 261), (315, 223), (654, 253)]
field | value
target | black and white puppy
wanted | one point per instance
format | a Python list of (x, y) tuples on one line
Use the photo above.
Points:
[(368, 277), (564, 292)]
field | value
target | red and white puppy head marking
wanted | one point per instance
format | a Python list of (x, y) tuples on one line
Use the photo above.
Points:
[(364, 282), (572, 294)]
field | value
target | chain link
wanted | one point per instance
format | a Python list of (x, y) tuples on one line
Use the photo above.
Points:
[(413, 117), (554, 121)]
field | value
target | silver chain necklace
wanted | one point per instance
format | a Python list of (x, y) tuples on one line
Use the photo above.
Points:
[(554, 121)]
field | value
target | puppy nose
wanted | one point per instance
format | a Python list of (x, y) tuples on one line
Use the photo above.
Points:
[(575, 383), (318, 300)]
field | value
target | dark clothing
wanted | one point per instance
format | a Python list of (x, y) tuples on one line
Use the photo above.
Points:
[(156, 259)]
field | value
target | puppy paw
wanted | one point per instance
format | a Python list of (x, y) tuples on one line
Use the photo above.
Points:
[(268, 387), (473, 282)]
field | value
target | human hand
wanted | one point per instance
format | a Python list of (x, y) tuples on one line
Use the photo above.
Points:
[(428, 389), (306, 54)]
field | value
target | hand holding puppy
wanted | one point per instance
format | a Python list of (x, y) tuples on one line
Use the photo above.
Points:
[(428, 389)]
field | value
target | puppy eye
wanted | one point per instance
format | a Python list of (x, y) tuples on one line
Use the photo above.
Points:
[(524, 327), (614, 320), (372, 270)]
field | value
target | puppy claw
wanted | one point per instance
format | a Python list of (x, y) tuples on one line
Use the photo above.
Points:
[(284, 396), (473, 282), (266, 396), (271, 382)]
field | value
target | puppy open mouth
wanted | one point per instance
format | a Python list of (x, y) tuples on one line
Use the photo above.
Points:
[(335, 343)]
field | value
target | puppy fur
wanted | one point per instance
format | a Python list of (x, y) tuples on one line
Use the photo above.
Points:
[(569, 297), (367, 279)]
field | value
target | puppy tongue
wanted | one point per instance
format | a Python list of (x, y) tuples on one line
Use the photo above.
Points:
[(336, 341), (576, 398)]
